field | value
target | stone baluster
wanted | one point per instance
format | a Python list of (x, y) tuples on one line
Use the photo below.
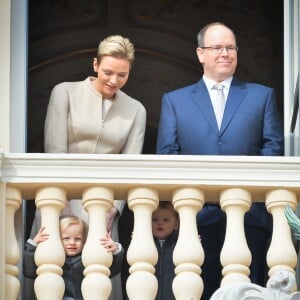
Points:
[(49, 255), (142, 253), (12, 251), (282, 254), (96, 284), (235, 254), (188, 254)]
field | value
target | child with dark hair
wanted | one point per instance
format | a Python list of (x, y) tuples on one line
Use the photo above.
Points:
[(165, 225)]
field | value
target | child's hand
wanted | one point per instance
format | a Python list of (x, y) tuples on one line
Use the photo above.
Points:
[(108, 243), (41, 236)]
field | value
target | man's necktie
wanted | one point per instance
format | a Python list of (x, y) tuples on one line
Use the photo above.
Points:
[(219, 103)]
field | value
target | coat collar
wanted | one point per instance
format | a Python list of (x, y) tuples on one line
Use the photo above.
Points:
[(70, 260)]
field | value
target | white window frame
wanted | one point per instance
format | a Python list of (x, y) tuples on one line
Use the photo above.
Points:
[(291, 71)]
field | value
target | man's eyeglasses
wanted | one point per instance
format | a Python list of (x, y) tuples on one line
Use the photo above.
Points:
[(219, 49)]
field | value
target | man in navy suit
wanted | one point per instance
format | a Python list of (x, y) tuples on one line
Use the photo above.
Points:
[(250, 125)]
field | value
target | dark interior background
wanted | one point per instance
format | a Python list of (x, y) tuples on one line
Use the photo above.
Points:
[(64, 36)]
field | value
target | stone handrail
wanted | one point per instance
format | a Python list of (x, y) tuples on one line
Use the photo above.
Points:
[(143, 180)]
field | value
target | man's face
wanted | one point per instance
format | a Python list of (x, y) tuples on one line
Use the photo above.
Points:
[(220, 61)]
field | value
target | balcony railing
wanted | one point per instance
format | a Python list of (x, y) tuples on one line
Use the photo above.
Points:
[(144, 180)]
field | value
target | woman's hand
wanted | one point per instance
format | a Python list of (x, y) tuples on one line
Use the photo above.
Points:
[(110, 217)]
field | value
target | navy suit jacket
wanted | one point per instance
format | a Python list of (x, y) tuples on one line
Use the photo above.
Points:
[(251, 125)]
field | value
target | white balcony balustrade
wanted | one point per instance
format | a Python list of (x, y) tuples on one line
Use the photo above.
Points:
[(144, 180)]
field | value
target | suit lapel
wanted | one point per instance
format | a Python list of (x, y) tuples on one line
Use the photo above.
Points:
[(202, 99), (237, 93)]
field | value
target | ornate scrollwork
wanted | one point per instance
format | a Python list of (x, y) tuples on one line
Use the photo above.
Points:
[(280, 286)]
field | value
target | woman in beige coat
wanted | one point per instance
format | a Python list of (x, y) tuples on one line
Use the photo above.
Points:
[(95, 116)]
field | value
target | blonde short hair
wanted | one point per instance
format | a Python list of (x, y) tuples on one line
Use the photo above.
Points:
[(68, 220), (116, 46)]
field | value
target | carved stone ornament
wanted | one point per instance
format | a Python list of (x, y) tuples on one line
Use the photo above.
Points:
[(280, 286)]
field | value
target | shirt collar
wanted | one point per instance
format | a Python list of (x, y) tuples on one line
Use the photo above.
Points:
[(210, 83)]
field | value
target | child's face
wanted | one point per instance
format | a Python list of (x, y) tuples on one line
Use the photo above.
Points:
[(72, 239), (164, 222)]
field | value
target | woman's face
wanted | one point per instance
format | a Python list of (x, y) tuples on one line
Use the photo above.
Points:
[(112, 75)]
